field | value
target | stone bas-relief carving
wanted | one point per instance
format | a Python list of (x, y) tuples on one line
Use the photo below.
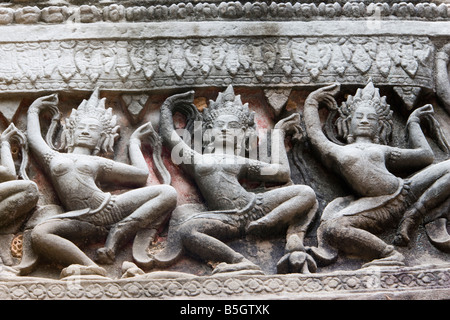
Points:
[(139, 64), (132, 218), (294, 255), (89, 212), (230, 210), (18, 197), (381, 198)]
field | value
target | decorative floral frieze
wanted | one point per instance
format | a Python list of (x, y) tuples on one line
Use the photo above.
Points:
[(369, 282), (165, 63)]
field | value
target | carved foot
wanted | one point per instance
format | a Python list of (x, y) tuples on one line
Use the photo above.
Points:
[(296, 262), (253, 228), (323, 256), (129, 270), (7, 271), (245, 267), (77, 270), (258, 227), (393, 258), (105, 256), (402, 238)]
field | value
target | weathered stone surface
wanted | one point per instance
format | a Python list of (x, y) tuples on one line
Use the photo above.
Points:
[(148, 73)]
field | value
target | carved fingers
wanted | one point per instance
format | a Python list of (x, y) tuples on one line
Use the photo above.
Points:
[(426, 110), (291, 126), (46, 102), (143, 132), (12, 133), (178, 100), (8, 133), (326, 95), (426, 113), (290, 123)]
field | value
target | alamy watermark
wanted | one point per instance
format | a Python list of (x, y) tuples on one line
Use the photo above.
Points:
[(234, 146)]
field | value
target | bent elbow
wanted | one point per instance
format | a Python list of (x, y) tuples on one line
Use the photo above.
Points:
[(141, 177), (282, 173), (7, 175), (428, 157)]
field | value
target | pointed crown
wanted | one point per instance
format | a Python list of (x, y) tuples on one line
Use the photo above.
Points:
[(95, 108), (369, 96), (230, 104)]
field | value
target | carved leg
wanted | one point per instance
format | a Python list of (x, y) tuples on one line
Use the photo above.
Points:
[(17, 198), (201, 238), (325, 254), (353, 234), (409, 223), (150, 207), (296, 260), (50, 239), (436, 188), (286, 205)]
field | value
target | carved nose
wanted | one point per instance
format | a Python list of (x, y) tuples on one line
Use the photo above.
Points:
[(364, 120)]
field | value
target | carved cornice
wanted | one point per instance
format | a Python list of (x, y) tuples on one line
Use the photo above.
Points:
[(135, 11), (146, 64), (391, 283)]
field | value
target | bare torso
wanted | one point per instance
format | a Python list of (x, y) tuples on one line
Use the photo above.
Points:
[(363, 166), (221, 172), (74, 177)]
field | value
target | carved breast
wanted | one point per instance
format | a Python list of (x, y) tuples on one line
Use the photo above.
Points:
[(60, 166)]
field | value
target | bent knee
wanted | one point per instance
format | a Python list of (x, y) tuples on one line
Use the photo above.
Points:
[(334, 227), (170, 195), (305, 193), (28, 187), (169, 191), (39, 232), (32, 190)]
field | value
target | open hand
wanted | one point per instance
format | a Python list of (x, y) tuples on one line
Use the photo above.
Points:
[(144, 131), (46, 102), (326, 95), (421, 112), (290, 125)]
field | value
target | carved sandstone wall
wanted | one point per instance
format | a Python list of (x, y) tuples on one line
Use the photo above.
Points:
[(274, 54)]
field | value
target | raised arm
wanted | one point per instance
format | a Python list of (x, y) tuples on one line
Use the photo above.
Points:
[(278, 170), (7, 167), (137, 172), (442, 76), (420, 154), (326, 148), (182, 154), (35, 139)]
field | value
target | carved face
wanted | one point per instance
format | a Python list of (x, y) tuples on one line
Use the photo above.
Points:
[(227, 131), (87, 133), (364, 122)]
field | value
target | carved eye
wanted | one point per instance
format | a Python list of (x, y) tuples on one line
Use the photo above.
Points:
[(234, 125), (358, 116)]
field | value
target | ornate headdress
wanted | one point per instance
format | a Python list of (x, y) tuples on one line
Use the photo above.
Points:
[(368, 96), (92, 108), (228, 103)]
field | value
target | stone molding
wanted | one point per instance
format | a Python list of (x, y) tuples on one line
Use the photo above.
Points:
[(367, 283), (146, 63), (224, 10), (135, 49)]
